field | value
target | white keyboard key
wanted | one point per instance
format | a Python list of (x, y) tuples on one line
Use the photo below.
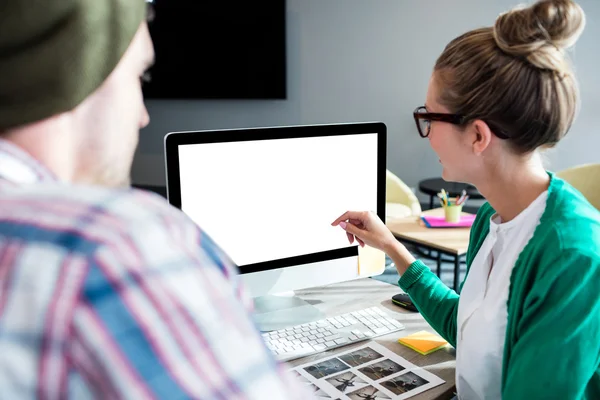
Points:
[(380, 330), (302, 340), (297, 353)]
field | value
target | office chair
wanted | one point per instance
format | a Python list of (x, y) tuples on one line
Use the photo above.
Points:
[(400, 200), (586, 179)]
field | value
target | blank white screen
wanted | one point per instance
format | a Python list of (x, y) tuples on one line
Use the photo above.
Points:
[(264, 200)]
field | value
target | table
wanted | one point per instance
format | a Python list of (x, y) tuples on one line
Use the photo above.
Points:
[(453, 242), (435, 185), (354, 295)]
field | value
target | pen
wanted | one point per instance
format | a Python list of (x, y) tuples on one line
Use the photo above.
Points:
[(441, 197), (462, 198)]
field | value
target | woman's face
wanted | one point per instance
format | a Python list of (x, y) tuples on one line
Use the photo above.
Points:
[(450, 142)]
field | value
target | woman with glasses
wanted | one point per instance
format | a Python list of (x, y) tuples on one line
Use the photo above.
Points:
[(527, 322)]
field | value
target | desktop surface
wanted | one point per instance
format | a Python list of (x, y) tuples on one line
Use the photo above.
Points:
[(345, 297)]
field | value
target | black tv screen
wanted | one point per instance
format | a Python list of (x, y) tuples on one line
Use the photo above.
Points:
[(218, 50)]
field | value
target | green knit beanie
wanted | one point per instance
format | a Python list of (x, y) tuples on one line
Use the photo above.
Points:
[(55, 53)]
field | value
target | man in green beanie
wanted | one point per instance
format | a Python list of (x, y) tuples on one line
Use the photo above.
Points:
[(105, 292)]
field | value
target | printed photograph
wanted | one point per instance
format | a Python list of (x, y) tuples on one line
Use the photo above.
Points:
[(381, 369), (369, 393), (360, 357), (299, 376), (326, 368), (346, 382), (404, 383), (318, 392)]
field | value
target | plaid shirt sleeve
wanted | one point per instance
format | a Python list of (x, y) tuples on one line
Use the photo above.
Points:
[(161, 315)]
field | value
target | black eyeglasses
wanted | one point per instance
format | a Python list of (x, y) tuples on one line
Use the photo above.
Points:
[(423, 120)]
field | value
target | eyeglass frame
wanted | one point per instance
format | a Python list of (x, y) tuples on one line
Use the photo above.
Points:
[(454, 119)]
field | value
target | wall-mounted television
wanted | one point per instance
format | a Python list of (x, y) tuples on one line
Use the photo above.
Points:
[(219, 49)]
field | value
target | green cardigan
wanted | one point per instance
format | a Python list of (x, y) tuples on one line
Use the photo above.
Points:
[(552, 346)]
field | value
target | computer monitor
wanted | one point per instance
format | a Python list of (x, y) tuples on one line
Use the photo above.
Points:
[(268, 196)]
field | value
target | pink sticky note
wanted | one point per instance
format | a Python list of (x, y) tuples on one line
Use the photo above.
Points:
[(440, 222)]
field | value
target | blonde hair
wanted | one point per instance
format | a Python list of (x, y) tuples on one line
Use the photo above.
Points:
[(516, 76)]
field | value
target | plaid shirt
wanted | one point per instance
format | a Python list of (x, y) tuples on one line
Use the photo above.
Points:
[(115, 294)]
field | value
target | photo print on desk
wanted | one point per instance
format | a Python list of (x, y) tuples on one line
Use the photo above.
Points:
[(404, 383), (381, 369), (317, 391), (326, 368), (361, 356), (300, 377), (369, 393), (367, 372), (347, 382)]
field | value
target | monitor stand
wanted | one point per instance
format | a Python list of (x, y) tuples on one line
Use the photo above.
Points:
[(273, 312)]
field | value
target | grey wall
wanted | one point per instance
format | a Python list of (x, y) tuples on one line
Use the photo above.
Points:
[(356, 60)]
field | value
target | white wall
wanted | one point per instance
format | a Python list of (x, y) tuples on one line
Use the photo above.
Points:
[(356, 60)]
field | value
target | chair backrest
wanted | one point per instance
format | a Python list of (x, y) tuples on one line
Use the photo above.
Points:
[(398, 192), (586, 179)]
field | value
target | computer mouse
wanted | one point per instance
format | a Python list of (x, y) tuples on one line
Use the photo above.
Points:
[(403, 300)]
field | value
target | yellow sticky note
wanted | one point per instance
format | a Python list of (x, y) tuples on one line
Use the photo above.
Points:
[(423, 342), (371, 261)]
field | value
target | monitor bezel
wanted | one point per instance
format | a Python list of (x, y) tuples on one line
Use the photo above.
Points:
[(173, 140)]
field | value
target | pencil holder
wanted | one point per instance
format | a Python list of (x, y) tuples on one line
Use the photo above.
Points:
[(452, 213)]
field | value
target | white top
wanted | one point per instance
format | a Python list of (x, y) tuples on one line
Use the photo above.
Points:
[(482, 308)]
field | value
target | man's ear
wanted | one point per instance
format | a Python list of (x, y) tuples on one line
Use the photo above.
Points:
[(482, 136)]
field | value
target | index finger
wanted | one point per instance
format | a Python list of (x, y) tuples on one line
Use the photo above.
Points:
[(349, 215)]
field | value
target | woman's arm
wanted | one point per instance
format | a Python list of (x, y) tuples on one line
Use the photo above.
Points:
[(437, 303)]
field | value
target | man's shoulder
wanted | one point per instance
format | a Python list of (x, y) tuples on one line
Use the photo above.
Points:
[(128, 203), (122, 222), (85, 211)]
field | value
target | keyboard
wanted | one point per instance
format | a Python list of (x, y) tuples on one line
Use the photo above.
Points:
[(329, 333)]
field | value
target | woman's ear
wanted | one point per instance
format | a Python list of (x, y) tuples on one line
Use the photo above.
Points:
[(482, 136)]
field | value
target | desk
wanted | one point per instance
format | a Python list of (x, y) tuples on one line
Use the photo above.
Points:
[(450, 241), (354, 295)]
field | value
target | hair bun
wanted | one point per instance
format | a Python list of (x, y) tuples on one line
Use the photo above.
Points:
[(540, 33)]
